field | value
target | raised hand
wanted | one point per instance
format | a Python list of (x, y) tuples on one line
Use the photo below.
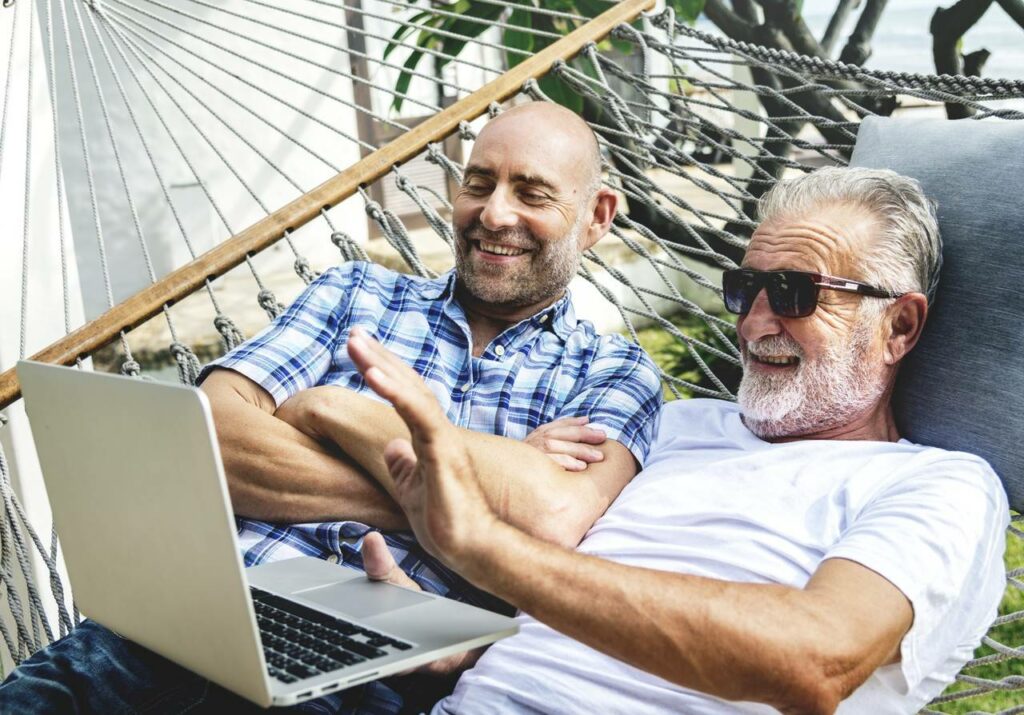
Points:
[(569, 442), (434, 479)]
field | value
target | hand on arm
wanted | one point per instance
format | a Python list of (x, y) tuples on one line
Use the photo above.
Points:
[(569, 442), (800, 650), (277, 473)]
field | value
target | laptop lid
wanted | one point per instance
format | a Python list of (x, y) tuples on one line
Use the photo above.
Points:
[(135, 482)]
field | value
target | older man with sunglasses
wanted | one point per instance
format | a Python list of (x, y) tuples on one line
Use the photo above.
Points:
[(788, 553)]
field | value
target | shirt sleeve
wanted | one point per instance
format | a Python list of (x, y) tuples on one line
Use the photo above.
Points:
[(622, 394), (295, 351), (938, 535)]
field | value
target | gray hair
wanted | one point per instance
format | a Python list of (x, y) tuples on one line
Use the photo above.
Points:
[(907, 253)]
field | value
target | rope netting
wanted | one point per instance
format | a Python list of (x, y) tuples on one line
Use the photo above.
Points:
[(178, 124)]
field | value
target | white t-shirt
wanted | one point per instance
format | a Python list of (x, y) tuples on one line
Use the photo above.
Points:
[(716, 501)]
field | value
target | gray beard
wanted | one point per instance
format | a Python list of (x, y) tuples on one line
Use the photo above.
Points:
[(822, 394)]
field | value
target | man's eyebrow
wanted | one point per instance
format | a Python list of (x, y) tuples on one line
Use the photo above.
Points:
[(535, 180), (478, 171), (531, 179)]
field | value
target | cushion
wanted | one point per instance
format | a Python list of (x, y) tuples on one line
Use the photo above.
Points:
[(962, 387)]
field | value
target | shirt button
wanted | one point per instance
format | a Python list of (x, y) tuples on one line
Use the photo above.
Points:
[(499, 350), (544, 318), (465, 388), (332, 559)]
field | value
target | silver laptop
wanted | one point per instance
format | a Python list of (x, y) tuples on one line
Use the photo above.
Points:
[(134, 477)]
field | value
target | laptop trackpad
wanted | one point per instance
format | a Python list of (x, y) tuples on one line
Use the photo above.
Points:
[(362, 598)]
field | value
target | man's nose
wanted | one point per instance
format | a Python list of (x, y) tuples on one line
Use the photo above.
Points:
[(761, 321), (498, 212)]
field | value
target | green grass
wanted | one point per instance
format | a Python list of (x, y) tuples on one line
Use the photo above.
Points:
[(1009, 634), (673, 357)]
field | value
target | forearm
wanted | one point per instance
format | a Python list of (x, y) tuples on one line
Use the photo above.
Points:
[(736, 641), (277, 473), (520, 483)]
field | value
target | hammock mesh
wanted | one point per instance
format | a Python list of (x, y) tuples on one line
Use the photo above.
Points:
[(149, 97)]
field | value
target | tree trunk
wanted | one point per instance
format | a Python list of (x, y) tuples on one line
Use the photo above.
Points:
[(1015, 9), (835, 25), (858, 47), (948, 27)]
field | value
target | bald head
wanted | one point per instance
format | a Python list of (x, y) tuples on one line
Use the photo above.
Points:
[(563, 134)]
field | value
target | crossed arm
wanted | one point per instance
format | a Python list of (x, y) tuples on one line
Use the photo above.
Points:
[(800, 650), (281, 466)]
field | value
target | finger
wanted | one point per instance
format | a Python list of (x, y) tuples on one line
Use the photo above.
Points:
[(582, 452), (586, 435), (398, 383), (568, 463), (565, 421), (380, 564)]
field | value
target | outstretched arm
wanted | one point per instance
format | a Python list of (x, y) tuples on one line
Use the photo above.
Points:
[(277, 473), (800, 650)]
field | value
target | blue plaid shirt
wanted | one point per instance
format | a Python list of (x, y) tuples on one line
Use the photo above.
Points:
[(545, 367)]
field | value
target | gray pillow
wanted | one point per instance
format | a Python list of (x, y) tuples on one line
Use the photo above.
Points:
[(962, 388)]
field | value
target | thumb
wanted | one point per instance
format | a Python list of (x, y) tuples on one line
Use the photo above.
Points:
[(380, 564), (400, 460)]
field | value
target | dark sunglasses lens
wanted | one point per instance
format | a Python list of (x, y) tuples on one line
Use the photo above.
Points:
[(792, 294), (740, 288)]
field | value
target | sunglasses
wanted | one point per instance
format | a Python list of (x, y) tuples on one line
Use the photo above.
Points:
[(791, 294)]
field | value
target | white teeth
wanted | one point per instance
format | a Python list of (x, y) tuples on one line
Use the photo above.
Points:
[(777, 359), (500, 250)]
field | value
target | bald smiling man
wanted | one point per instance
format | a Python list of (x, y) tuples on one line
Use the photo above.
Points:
[(558, 417)]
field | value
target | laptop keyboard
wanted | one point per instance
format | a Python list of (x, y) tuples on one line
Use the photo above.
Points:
[(300, 642)]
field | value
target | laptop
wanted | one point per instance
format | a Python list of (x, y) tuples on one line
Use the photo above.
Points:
[(139, 498)]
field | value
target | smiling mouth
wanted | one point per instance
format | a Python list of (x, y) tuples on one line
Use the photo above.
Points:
[(498, 249), (777, 360)]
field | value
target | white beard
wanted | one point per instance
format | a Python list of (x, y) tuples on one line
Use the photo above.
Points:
[(823, 393)]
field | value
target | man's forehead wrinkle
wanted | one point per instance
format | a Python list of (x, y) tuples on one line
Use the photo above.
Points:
[(823, 245)]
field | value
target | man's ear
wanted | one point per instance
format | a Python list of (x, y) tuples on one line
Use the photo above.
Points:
[(606, 203), (905, 321)]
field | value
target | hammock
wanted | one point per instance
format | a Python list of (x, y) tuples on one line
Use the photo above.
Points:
[(151, 143)]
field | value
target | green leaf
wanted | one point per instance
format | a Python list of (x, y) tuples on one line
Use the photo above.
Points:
[(591, 8), (473, 23), (518, 39), (404, 31), (687, 10), (402, 85), (558, 92)]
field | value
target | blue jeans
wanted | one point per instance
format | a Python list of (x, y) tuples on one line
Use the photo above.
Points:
[(94, 670)]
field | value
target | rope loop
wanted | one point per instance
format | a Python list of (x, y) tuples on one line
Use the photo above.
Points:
[(341, 240), (269, 302), (304, 270), (3, 419), (466, 132), (493, 109), (131, 368), (188, 364), (229, 331), (374, 210), (8, 3)]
